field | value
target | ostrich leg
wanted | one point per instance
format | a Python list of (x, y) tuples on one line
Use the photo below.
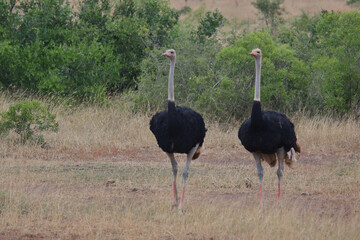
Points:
[(280, 171), (260, 173), (174, 169), (186, 173)]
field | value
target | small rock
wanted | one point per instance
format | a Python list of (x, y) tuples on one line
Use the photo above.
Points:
[(110, 183), (248, 182)]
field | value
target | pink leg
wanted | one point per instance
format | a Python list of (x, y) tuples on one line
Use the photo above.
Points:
[(182, 198), (174, 169), (279, 191), (186, 173)]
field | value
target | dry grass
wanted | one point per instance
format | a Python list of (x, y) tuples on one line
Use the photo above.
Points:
[(243, 10), (61, 192)]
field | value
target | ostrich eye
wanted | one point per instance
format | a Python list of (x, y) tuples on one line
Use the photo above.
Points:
[(258, 52), (172, 52)]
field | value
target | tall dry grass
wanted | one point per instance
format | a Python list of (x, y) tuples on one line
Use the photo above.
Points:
[(116, 126), (60, 192), (105, 130)]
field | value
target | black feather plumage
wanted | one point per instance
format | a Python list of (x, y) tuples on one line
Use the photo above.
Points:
[(267, 131), (178, 129)]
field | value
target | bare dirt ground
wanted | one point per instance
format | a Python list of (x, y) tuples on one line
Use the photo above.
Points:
[(322, 184)]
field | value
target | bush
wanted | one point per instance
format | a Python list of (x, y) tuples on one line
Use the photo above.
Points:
[(46, 47), (28, 119), (84, 71), (9, 60), (49, 21), (336, 65), (284, 78), (194, 73)]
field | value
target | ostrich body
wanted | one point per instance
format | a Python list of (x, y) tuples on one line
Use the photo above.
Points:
[(178, 130), (268, 135)]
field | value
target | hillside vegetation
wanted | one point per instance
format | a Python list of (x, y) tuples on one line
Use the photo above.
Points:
[(108, 48)]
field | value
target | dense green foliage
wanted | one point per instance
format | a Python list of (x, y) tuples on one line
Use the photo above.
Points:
[(209, 25), (47, 47), (329, 44), (114, 47), (28, 119)]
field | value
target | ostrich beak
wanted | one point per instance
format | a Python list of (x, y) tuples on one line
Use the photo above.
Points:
[(252, 54), (166, 54)]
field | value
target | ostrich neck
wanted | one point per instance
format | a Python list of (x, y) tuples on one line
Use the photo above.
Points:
[(256, 114), (171, 81), (172, 121), (257, 79)]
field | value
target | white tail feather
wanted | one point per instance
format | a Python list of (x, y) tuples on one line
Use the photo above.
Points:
[(290, 157)]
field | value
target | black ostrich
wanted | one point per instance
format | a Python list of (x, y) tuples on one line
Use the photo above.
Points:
[(268, 135), (178, 130)]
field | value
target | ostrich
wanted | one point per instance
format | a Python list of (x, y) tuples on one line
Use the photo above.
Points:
[(268, 135), (178, 130)]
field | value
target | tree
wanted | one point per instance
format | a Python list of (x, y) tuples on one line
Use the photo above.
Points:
[(271, 11), (209, 24), (350, 2)]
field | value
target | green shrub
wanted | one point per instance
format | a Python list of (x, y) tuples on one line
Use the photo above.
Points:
[(84, 71), (337, 64), (284, 78), (47, 47), (9, 60), (28, 119), (195, 73), (328, 44), (94, 12), (50, 21)]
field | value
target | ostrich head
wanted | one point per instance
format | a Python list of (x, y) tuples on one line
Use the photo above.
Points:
[(256, 53), (170, 54)]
